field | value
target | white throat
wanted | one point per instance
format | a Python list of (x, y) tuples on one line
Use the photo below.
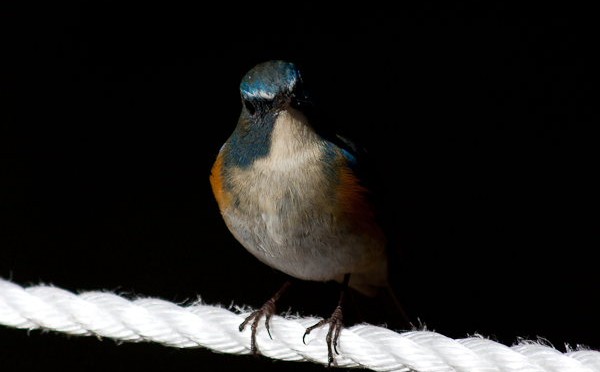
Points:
[(293, 142)]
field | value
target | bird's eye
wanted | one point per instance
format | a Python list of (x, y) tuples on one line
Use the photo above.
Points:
[(250, 107)]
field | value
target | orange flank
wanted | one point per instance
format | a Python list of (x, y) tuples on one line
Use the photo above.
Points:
[(353, 202), (216, 181)]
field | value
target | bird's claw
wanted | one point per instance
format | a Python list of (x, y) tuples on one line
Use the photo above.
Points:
[(333, 334), (267, 310)]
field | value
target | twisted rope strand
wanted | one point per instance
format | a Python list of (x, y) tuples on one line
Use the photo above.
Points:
[(108, 315)]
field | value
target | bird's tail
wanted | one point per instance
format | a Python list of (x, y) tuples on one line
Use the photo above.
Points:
[(382, 309), (397, 308)]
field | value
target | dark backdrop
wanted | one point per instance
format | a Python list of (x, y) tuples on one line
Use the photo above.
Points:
[(477, 116)]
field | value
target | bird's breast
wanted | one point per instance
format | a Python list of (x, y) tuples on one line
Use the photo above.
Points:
[(281, 194), (291, 207)]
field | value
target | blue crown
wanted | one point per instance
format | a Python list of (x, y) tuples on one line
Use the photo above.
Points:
[(269, 79)]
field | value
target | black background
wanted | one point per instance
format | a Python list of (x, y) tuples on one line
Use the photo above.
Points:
[(478, 116)]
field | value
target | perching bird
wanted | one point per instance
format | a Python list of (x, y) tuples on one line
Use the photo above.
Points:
[(291, 193)]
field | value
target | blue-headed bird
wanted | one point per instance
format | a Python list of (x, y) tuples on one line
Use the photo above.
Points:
[(291, 193)]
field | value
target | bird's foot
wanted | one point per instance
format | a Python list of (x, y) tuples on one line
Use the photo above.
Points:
[(266, 310), (335, 326)]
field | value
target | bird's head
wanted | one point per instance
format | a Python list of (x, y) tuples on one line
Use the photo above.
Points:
[(272, 86), (274, 119)]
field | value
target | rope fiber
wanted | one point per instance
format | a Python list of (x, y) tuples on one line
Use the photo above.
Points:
[(105, 314)]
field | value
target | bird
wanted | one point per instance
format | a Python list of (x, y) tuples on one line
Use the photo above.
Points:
[(292, 192)]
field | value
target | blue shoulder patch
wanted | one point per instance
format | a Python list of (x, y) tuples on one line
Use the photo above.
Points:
[(352, 162), (333, 150)]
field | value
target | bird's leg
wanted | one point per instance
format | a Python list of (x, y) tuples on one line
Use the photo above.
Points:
[(267, 310), (335, 322)]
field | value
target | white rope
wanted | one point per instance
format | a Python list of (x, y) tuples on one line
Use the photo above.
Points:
[(105, 314)]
